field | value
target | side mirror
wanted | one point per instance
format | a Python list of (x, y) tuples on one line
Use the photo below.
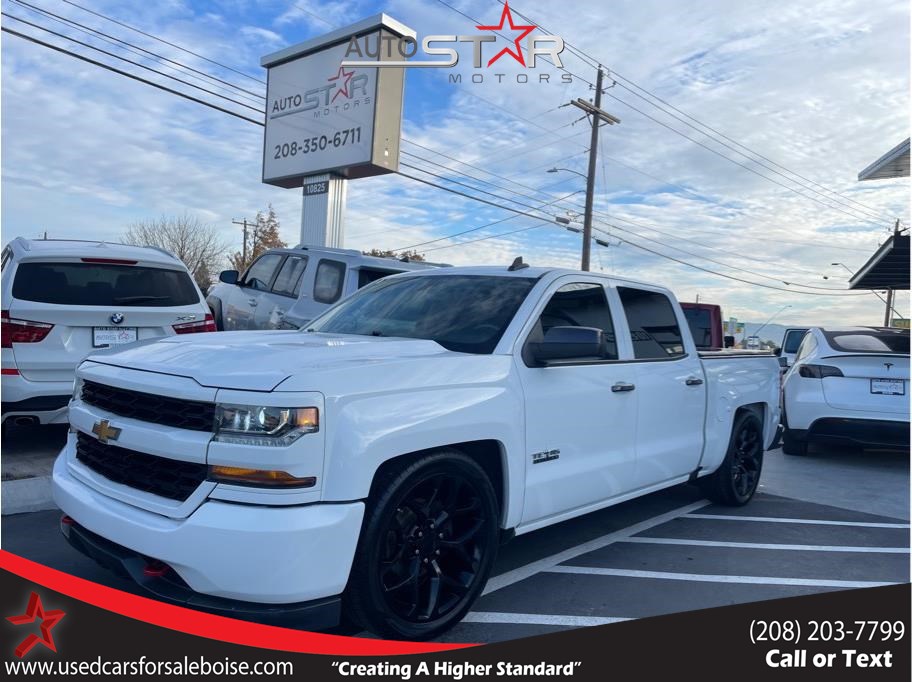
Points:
[(729, 341), (569, 343), (228, 276), (783, 362), (777, 351)]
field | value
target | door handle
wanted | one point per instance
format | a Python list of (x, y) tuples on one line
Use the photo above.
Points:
[(693, 381), (252, 301), (622, 387)]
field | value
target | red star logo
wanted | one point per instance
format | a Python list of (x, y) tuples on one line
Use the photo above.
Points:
[(48, 620), (345, 77), (526, 30)]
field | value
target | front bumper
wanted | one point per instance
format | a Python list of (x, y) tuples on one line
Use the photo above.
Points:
[(247, 553)]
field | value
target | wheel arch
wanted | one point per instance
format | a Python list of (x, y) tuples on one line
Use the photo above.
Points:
[(489, 454)]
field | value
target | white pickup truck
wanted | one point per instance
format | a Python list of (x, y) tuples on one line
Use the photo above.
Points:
[(373, 462)]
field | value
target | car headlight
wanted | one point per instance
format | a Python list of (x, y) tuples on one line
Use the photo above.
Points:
[(264, 425)]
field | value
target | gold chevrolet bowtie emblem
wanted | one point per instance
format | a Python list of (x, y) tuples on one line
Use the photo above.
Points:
[(105, 431)]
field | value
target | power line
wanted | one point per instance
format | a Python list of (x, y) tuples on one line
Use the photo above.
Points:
[(162, 40), (595, 62), (129, 61), (128, 75), (114, 40)]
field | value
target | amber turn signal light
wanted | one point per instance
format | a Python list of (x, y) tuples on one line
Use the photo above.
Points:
[(260, 477)]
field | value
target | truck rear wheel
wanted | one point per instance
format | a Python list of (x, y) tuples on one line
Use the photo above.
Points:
[(427, 546), (735, 481)]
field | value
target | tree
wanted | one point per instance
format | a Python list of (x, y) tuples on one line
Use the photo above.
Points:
[(263, 234), (198, 245), (388, 253)]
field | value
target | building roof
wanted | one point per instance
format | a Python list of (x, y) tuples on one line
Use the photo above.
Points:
[(893, 164), (888, 268)]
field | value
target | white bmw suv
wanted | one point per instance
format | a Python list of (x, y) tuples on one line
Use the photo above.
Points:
[(848, 384), (63, 299)]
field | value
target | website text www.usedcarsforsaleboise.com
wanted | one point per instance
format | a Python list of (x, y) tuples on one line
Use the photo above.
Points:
[(143, 666)]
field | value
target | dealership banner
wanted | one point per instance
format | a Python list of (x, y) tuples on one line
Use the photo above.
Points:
[(56, 625)]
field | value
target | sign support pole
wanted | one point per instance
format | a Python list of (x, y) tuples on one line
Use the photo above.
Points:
[(323, 210)]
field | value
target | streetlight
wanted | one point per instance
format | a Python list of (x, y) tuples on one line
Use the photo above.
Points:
[(569, 170), (775, 314)]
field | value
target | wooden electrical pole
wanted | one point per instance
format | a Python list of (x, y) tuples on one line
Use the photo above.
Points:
[(244, 248), (598, 117)]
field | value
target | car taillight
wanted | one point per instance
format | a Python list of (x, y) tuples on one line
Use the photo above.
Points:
[(819, 371), (22, 331), (206, 325)]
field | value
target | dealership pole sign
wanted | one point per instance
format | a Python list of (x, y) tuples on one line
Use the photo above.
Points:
[(324, 117)]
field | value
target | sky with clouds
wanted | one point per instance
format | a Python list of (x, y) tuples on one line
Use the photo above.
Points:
[(821, 87)]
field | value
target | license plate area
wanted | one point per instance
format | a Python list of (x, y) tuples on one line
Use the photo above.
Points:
[(888, 387), (102, 337)]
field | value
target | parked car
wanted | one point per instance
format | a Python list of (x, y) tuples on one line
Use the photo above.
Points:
[(791, 339), (705, 322), (385, 453), (63, 298), (286, 288), (848, 384)]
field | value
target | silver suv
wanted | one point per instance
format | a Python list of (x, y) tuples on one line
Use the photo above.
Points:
[(287, 288)]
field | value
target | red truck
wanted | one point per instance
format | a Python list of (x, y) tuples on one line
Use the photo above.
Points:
[(705, 321)]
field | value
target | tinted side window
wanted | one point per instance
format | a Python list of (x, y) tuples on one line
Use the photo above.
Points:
[(259, 275), (288, 281), (653, 325), (366, 276), (700, 323), (793, 340), (581, 304), (328, 281)]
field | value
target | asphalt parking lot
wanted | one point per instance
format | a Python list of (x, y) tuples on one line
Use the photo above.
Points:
[(814, 526)]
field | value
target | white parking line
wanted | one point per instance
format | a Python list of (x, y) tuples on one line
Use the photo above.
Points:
[(699, 577), (764, 545), (530, 569), (537, 619), (817, 522)]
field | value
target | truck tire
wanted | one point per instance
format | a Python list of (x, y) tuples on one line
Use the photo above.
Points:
[(735, 481), (792, 445), (216, 311), (427, 545)]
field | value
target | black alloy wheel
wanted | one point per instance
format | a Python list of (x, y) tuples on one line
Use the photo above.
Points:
[(735, 481), (427, 547)]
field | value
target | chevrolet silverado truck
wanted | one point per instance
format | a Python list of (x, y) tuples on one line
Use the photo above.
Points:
[(370, 465)]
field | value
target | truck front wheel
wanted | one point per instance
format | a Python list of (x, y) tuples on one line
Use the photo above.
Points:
[(427, 546), (735, 481)]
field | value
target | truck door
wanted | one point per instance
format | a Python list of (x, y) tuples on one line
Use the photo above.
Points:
[(242, 302), (275, 303), (670, 387), (580, 419)]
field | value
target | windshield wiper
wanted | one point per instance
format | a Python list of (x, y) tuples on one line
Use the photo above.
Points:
[(138, 299)]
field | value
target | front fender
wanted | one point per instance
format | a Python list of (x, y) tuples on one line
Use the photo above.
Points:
[(368, 430)]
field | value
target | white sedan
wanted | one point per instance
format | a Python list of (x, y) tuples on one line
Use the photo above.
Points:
[(848, 384)]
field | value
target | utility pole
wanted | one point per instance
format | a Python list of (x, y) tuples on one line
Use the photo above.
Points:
[(244, 248), (598, 117), (887, 320)]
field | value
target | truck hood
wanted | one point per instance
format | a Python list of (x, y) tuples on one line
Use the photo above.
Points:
[(260, 360)]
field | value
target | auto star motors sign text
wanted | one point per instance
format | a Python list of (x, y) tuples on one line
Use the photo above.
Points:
[(382, 50)]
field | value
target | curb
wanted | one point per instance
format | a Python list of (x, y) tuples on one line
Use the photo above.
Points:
[(26, 495)]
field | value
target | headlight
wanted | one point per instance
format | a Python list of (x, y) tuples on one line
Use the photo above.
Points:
[(262, 425)]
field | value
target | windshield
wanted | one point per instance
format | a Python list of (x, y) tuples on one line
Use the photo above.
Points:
[(462, 313), (793, 340), (873, 341)]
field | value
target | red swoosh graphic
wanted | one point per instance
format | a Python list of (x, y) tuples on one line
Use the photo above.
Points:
[(205, 624)]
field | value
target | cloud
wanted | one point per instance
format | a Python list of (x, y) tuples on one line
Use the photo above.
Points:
[(821, 87)]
